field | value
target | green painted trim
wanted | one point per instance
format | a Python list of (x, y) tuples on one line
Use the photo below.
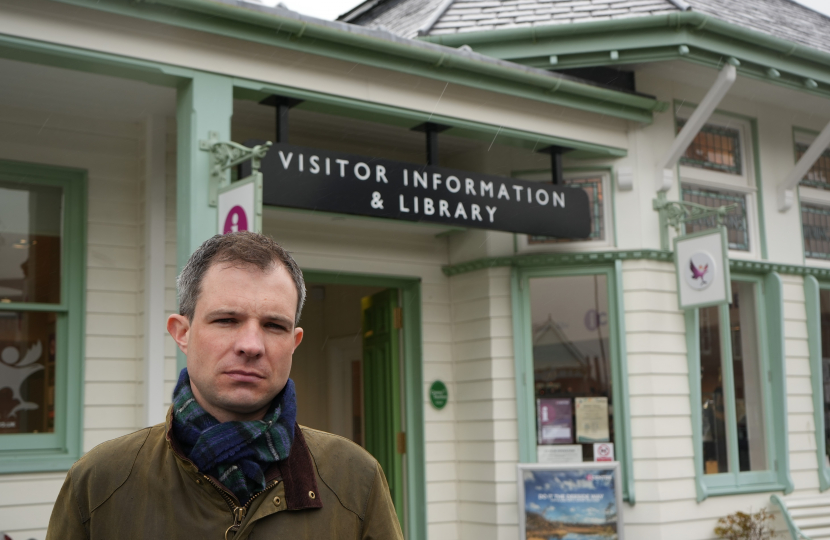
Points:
[(813, 308), (415, 462), (769, 315), (791, 526), (59, 450), (523, 362), (23, 306), (622, 422), (526, 410), (692, 322), (382, 50), (655, 38), (542, 260), (203, 104)]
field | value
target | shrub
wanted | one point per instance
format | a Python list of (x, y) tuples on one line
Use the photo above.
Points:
[(743, 526)]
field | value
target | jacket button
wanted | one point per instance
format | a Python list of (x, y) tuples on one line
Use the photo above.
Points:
[(276, 501), (198, 481), (312, 495)]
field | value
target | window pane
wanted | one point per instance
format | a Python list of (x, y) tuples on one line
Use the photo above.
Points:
[(715, 452), (815, 226), (715, 148), (571, 359), (824, 303), (819, 174), (746, 369), (30, 242), (737, 231), (593, 187), (27, 372)]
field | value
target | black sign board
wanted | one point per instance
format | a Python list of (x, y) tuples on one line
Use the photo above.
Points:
[(300, 177)]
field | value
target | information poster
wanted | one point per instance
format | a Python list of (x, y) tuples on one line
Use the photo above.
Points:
[(573, 501), (592, 420), (559, 453), (555, 421)]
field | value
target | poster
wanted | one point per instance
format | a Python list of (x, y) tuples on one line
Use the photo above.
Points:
[(570, 501), (559, 453), (592, 419), (554, 419)]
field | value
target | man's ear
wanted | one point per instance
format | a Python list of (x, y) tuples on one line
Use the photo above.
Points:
[(179, 328), (298, 337)]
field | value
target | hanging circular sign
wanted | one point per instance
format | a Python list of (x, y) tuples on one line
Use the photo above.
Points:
[(438, 395), (700, 271)]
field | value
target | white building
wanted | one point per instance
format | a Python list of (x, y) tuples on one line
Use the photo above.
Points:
[(105, 191)]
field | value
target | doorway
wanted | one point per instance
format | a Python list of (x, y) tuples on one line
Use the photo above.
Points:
[(347, 372)]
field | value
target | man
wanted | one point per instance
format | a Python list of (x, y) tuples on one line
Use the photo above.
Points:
[(230, 462)]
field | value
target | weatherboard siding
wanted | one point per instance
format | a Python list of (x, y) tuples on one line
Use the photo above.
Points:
[(487, 438), (111, 153)]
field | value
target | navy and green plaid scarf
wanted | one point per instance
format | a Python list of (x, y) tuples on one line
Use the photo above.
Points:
[(236, 453)]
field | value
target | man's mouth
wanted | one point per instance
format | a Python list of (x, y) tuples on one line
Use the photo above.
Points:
[(242, 375)]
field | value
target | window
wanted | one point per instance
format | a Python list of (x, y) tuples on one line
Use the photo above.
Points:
[(814, 195), (737, 428), (41, 315), (568, 348), (717, 170), (737, 228), (815, 226), (597, 188)]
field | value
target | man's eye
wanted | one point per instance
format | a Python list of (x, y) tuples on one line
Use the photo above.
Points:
[(275, 326), (224, 321)]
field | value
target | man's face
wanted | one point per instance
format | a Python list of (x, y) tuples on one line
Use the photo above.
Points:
[(241, 339)]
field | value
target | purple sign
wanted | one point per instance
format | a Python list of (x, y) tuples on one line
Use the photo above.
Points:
[(555, 421), (236, 220)]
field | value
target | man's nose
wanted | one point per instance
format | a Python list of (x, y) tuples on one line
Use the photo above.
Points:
[(250, 340)]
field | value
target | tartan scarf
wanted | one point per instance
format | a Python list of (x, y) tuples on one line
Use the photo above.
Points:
[(236, 453)]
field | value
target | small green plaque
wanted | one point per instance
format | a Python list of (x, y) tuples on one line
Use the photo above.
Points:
[(438, 394)]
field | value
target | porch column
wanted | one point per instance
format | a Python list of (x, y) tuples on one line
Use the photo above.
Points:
[(203, 104)]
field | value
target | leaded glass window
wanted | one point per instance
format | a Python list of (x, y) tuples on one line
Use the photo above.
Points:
[(593, 187), (715, 148), (815, 226), (819, 174), (737, 229)]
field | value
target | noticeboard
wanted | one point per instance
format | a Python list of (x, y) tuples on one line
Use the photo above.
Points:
[(577, 501), (328, 181)]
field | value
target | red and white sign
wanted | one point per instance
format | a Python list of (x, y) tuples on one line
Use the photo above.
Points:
[(603, 451)]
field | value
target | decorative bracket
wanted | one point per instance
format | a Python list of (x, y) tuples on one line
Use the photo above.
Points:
[(786, 191), (226, 154), (676, 213), (665, 168)]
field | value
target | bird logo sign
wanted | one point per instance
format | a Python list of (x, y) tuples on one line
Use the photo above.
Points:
[(700, 271)]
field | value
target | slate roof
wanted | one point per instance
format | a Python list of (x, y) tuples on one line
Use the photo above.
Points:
[(410, 18)]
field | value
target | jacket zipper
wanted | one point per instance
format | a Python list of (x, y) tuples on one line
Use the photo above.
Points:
[(238, 512)]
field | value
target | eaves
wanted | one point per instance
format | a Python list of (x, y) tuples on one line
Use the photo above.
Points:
[(689, 35), (377, 48)]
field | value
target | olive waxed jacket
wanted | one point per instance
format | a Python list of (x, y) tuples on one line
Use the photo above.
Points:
[(140, 486)]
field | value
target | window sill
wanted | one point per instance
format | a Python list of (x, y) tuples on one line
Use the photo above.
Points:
[(36, 461), (705, 491)]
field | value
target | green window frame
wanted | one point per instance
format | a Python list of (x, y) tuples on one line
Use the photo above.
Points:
[(523, 349), (812, 288), (770, 334), (56, 451)]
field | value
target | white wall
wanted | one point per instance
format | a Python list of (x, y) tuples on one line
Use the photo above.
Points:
[(111, 152)]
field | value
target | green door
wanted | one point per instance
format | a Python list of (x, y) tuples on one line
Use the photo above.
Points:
[(381, 389)]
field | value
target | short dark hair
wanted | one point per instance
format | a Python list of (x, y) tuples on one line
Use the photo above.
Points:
[(242, 248)]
